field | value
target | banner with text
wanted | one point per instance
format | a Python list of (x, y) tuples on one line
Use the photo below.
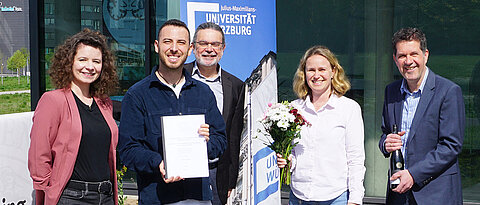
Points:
[(266, 175), (249, 27), (258, 178)]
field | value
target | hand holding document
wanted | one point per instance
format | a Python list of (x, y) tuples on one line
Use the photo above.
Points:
[(184, 149), (165, 179)]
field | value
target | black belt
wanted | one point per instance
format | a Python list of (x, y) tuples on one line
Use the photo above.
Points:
[(213, 165), (104, 187)]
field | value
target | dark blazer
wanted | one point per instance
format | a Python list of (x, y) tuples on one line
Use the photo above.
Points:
[(233, 110), (434, 142)]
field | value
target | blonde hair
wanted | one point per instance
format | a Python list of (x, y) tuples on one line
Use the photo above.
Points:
[(340, 83)]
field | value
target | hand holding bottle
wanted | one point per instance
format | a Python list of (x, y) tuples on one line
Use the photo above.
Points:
[(406, 181), (396, 161), (394, 141)]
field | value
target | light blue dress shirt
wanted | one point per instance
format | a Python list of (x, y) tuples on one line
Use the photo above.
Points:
[(409, 107), (215, 85)]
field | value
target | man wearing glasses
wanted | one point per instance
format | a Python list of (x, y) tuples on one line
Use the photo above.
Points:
[(208, 44)]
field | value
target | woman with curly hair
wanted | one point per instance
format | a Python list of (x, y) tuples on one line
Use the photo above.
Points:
[(327, 164), (74, 136)]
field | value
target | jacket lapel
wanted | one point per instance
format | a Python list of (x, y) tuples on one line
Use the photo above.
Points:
[(398, 106), (189, 67), (75, 126), (227, 92), (76, 121), (427, 94), (106, 108)]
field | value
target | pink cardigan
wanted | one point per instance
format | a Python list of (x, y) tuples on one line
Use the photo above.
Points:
[(55, 140)]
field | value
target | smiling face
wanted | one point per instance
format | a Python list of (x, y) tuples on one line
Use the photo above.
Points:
[(319, 74), (208, 47), (173, 46), (411, 62), (87, 65)]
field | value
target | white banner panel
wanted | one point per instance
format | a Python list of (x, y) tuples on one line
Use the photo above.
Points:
[(266, 175), (15, 182)]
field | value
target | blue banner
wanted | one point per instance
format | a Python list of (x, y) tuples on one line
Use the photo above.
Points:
[(249, 27), (265, 163)]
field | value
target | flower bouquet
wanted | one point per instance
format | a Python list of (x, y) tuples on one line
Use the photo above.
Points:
[(282, 123)]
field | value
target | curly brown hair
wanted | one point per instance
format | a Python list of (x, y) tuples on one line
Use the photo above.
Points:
[(61, 73), (340, 83)]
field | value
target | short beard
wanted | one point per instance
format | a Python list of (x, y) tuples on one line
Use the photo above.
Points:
[(199, 61), (163, 61)]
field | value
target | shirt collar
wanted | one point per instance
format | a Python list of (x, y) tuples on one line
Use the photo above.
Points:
[(154, 79), (195, 71), (404, 86), (331, 103)]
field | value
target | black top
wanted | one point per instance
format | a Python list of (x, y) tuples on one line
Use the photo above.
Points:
[(92, 159)]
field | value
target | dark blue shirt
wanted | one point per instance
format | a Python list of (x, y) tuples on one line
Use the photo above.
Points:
[(140, 136)]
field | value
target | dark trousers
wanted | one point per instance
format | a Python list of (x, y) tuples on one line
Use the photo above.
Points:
[(213, 183), (72, 196), (405, 198)]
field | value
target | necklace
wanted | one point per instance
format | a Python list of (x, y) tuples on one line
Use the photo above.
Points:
[(174, 84)]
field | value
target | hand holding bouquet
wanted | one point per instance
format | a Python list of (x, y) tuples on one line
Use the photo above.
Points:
[(282, 123)]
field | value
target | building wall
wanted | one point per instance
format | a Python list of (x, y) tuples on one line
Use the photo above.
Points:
[(13, 29)]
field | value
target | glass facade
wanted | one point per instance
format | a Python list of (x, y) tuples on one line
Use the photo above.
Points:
[(122, 24), (360, 33), (13, 31)]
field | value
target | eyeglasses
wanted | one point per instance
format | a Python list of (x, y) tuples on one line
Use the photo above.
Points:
[(204, 44)]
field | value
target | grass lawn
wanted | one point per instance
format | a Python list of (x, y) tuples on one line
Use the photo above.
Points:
[(14, 103), (11, 83)]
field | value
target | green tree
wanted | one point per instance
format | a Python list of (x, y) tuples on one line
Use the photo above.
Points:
[(2, 62), (26, 54), (17, 61)]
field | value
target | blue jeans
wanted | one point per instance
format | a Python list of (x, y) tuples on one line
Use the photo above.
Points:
[(340, 200), (73, 196)]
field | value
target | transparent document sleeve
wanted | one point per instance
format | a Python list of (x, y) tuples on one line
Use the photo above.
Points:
[(184, 150)]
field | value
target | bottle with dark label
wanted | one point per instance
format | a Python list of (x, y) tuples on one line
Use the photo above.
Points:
[(396, 162)]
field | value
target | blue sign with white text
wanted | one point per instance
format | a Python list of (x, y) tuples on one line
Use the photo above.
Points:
[(265, 185), (249, 27)]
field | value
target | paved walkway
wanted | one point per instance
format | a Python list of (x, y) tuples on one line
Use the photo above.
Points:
[(14, 92)]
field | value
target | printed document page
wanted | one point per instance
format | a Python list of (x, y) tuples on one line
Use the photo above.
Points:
[(184, 150)]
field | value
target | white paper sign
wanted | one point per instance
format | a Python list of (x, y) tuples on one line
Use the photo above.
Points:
[(184, 150)]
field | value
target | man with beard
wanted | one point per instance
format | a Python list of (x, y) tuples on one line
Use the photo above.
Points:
[(167, 91), (208, 46)]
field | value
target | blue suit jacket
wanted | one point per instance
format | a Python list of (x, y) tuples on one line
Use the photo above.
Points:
[(434, 142)]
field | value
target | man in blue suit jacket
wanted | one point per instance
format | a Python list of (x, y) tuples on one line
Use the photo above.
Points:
[(430, 114)]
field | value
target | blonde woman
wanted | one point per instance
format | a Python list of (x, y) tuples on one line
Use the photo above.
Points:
[(327, 164)]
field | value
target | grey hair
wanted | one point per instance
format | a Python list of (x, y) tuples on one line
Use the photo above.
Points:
[(209, 25)]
